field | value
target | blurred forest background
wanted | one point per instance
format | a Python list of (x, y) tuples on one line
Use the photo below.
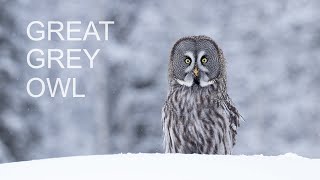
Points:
[(273, 54)]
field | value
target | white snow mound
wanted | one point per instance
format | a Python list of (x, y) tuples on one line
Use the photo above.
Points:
[(164, 166)]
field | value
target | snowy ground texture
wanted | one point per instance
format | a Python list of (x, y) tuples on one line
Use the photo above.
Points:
[(165, 166)]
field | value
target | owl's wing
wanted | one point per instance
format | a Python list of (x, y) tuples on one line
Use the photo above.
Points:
[(165, 127), (234, 118)]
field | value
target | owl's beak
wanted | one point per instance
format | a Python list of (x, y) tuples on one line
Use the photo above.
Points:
[(196, 71)]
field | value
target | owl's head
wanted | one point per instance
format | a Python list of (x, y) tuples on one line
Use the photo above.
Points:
[(196, 61)]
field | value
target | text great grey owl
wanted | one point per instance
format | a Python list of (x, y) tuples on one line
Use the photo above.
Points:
[(198, 115)]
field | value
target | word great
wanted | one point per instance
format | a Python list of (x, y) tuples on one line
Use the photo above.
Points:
[(64, 59), (72, 31)]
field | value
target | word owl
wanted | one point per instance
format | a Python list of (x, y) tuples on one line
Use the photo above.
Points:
[(198, 115)]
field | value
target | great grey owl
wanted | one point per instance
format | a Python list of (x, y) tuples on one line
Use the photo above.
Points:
[(198, 115)]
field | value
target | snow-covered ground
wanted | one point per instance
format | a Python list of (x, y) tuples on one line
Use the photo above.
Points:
[(165, 166)]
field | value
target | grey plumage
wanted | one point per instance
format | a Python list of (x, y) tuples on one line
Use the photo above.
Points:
[(198, 115)]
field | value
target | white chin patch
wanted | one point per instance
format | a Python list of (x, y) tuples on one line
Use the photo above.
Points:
[(185, 83), (188, 81), (204, 80), (205, 83)]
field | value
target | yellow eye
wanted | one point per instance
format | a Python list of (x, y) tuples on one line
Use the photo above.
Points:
[(204, 60), (187, 61)]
